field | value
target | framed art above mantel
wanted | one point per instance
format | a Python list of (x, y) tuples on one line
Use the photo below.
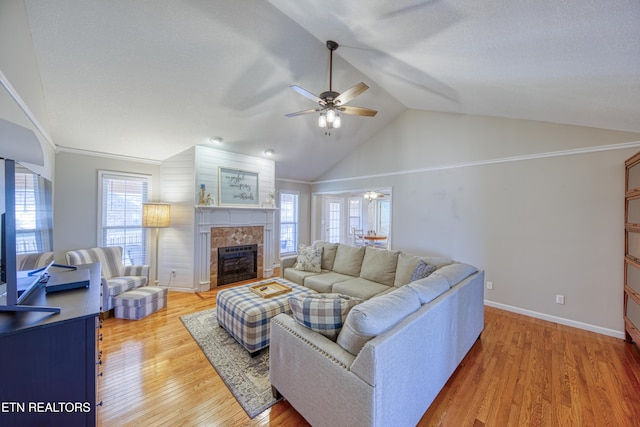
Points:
[(237, 187)]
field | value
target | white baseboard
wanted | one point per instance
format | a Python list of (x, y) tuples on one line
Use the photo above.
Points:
[(555, 319)]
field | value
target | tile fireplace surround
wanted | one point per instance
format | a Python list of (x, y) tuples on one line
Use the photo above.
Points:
[(218, 226)]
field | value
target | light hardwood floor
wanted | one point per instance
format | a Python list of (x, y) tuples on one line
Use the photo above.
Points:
[(522, 371)]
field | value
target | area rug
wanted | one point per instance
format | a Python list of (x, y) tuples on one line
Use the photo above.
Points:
[(247, 378)]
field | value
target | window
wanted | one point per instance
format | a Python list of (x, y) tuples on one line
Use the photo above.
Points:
[(288, 222), (384, 217), (334, 228), (355, 215), (122, 196), (33, 213)]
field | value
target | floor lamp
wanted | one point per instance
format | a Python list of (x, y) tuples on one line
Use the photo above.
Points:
[(156, 215)]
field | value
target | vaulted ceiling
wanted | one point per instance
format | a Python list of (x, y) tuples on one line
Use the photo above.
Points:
[(151, 78)]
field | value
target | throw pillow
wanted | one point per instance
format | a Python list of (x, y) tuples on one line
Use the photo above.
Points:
[(422, 270), (309, 258), (323, 313), (375, 316)]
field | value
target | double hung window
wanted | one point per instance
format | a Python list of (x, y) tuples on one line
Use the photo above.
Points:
[(120, 222)]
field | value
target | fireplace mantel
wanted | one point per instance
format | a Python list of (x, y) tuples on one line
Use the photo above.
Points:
[(208, 217)]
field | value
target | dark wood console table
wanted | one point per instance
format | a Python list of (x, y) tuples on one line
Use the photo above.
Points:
[(49, 362)]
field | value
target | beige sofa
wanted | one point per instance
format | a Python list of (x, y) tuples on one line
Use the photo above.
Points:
[(360, 272)]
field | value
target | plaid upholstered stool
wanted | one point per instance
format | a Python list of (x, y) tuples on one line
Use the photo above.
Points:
[(247, 316), (140, 302)]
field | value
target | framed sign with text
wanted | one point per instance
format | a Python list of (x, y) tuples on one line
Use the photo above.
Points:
[(238, 187)]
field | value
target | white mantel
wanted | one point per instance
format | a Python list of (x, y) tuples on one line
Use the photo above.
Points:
[(207, 217)]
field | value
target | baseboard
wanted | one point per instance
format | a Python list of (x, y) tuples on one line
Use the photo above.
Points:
[(555, 319)]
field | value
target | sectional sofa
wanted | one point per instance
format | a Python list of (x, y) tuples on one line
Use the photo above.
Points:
[(396, 349)]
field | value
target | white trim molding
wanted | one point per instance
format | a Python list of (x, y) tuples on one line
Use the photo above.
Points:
[(555, 319), (576, 151), (25, 108)]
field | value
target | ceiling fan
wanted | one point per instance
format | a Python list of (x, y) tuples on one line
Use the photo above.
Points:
[(331, 103)]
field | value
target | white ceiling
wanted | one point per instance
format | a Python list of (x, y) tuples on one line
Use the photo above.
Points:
[(151, 78)]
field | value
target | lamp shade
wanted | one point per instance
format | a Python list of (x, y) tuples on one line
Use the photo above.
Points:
[(156, 215)]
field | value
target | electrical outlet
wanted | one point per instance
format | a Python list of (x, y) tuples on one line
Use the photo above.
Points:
[(489, 285), (559, 299)]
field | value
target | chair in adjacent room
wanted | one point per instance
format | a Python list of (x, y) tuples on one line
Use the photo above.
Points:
[(358, 237)]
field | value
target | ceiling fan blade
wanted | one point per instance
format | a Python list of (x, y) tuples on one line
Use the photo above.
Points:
[(299, 113), (350, 93), (307, 94), (358, 111)]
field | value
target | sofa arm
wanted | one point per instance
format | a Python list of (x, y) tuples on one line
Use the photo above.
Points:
[(287, 262), (324, 345), (136, 270), (312, 373)]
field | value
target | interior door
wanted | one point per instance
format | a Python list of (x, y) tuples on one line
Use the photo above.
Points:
[(333, 219)]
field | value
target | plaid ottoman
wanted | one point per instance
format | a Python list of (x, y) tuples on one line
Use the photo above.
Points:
[(140, 302), (247, 316)]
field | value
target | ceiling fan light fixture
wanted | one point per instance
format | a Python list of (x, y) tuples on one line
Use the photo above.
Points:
[(331, 115), (370, 195), (322, 121), (331, 102)]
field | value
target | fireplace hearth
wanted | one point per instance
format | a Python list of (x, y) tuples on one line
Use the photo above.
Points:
[(237, 263)]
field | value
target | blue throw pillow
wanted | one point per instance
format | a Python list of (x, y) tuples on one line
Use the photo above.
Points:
[(422, 270)]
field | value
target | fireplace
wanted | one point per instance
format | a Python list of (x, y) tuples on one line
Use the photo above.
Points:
[(237, 263)]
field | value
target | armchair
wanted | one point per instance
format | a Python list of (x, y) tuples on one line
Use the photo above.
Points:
[(116, 278), (33, 261)]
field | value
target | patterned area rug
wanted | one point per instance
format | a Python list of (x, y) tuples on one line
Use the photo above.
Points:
[(247, 378)]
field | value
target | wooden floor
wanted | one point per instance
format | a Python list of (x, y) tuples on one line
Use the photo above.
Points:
[(522, 371)]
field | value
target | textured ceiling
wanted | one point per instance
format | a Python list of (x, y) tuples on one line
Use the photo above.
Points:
[(149, 79)]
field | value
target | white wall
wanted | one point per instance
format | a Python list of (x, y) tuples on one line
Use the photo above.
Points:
[(539, 206), (182, 175)]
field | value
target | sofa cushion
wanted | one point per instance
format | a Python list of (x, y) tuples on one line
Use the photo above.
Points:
[(328, 253), (422, 270), (297, 276), (348, 260), (359, 288), (324, 282), (407, 264), (375, 316), (118, 285), (379, 265), (323, 313), (429, 288), (456, 273), (309, 258)]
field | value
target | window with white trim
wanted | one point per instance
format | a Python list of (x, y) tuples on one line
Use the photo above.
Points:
[(120, 214), (33, 213), (355, 215), (288, 222)]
